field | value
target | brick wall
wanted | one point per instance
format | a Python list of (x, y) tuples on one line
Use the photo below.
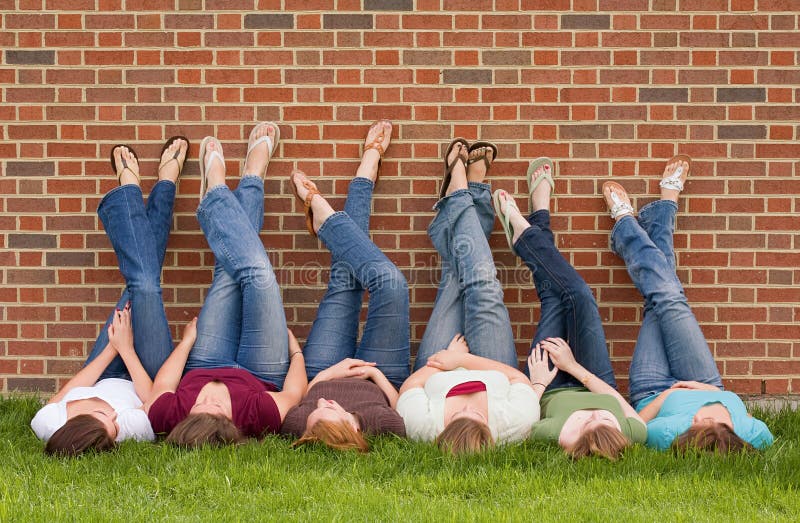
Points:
[(602, 86)]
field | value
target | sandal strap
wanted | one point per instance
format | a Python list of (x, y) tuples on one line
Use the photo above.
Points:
[(270, 145), (210, 157), (126, 168), (377, 146), (673, 181), (620, 206)]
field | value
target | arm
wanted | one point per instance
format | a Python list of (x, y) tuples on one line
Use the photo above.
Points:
[(120, 335), (170, 373), (652, 408), (562, 357), (383, 383), (449, 360), (88, 375), (418, 379), (296, 382)]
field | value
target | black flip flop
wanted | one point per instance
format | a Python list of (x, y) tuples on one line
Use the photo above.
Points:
[(478, 145), (448, 168), (169, 142), (124, 163)]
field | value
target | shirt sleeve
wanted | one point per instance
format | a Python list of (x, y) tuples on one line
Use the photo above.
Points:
[(162, 411), (414, 407), (660, 433), (546, 429), (48, 420), (760, 437), (294, 424), (636, 430), (134, 424), (520, 412)]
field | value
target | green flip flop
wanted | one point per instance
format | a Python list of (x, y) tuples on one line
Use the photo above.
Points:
[(503, 217), (548, 175)]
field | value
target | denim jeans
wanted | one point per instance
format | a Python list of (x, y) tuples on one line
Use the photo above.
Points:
[(358, 265), (670, 347), (139, 236), (569, 310), (241, 323), (470, 299)]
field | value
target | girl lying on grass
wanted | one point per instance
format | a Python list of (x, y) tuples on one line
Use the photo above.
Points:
[(353, 386), (471, 395), (240, 382), (675, 384), (102, 404), (581, 408)]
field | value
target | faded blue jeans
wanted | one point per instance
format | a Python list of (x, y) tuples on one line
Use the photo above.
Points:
[(357, 265), (242, 323), (470, 299), (139, 236), (670, 347), (569, 310)]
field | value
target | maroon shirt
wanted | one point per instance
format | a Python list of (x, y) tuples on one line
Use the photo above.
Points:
[(254, 411)]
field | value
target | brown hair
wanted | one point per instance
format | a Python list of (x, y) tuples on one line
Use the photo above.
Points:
[(197, 430), (716, 437), (79, 434), (601, 440), (464, 436), (339, 435)]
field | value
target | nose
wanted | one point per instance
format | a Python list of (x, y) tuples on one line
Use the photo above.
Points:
[(322, 402), (114, 416)]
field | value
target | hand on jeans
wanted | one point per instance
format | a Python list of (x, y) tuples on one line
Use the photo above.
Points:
[(348, 368), (458, 344), (539, 367), (190, 331), (446, 359), (560, 354), (120, 332), (693, 385)]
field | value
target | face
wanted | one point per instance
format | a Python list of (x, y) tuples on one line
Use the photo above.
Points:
[(582, 420), (711, 414), (211, 405), (470, 412), (329, 410), (108, 417)]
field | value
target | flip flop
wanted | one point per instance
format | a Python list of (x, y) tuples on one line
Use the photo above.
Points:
[(676, 180), (548, 175), (376, 143), (448, 169), (312, 190), (169, 142), (619, 206), (271, 146), (205, 162), (119, 172), (478, 145), (503, 216)]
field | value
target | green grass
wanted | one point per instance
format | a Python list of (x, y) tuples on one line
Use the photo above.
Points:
[(398, 480)]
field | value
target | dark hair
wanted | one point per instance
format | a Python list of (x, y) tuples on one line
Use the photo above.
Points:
[(197, 430), (338, 435), (602, 440), (78, 435), (465, 436), (716, 437)]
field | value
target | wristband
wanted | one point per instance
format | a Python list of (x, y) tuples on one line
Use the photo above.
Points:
[(537, 383), (295, 353)]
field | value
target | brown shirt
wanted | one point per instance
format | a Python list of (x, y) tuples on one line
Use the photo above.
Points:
[(358, 396)]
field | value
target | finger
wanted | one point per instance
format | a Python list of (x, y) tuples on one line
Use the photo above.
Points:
[(433, 363)]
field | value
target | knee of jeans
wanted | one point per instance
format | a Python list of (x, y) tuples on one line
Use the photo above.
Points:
[(389, 279), (145, 286), (259, 274)]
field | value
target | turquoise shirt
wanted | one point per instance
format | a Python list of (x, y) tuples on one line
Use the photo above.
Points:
[(677, 411)]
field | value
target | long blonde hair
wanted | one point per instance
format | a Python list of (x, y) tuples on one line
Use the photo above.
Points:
[(465, 436)]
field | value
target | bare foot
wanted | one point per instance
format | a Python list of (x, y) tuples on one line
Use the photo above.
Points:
[(320, 207), (127, 175), (540, 198), (258, 159), (668, 193), (372, 155), (215, 172), (515, 218), (476, 171), (170, 167), (458, 176)]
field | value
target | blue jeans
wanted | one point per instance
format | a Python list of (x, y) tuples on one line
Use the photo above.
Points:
[(242, 323), (358, 265), (670, 347), (569, 310), (139, 236), (470, 299)]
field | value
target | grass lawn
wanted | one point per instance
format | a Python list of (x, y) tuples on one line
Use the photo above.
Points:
[(398, 480)]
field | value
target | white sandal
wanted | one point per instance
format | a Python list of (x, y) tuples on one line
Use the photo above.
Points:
[(205, 162), (619, 206), (271, 146), (676, 179)]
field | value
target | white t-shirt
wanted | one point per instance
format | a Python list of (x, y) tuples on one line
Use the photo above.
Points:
[(118, 393), (513, 408)]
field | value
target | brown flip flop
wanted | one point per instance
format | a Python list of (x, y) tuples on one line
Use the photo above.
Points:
[(125, 167), (448, 168), (312, 190), (177, 154), (478, 145)]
